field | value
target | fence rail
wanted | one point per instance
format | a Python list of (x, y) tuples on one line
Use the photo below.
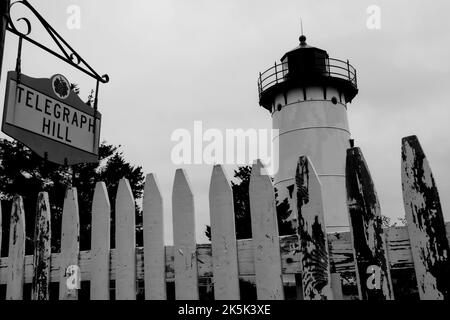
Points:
[(398, 244)]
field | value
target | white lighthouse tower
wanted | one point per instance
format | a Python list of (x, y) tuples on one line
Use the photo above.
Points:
[(307, 95)]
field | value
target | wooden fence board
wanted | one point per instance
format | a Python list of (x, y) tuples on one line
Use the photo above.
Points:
[(223, 237), (266, 244), (426, 226), (16, 258), (42, 249), (154, 258), (399, 248), (125, 242), (336, 286), (69, 283), (185, 255), (1, 228), (313, 237), (100, 243), (374, 280)]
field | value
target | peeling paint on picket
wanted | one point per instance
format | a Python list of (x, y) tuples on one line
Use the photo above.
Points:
[(266, 242), (125, 242), (1, 227), (16, 258), (185, 257), (426, 226), (312, 234), (372, 270), (223, 237), (70, 274), (100, 243), (42, 249), (154, 254)]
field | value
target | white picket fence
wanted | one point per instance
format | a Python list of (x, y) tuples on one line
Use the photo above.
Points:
[(263, 260)]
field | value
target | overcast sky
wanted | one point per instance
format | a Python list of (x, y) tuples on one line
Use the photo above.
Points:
[(172, 62)]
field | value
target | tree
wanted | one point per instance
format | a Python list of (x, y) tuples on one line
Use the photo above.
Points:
[(241, 200), (24, 173)]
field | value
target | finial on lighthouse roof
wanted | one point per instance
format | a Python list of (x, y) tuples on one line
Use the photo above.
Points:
[(302, 37), (302, 40)]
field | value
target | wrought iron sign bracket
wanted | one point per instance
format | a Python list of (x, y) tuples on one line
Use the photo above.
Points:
[(67, 54)]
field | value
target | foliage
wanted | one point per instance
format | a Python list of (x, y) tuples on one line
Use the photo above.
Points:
[(24, 173)]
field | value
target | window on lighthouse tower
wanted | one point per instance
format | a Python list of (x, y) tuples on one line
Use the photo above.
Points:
[(284, 65)]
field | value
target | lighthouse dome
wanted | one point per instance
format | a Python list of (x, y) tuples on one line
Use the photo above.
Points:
[(305, 66), (305, 61), (302, 45)]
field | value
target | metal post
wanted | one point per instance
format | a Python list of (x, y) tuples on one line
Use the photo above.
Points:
[(95, 114), (4, 13), (19, 59), (348, 69), (276, 73), (260, 83)]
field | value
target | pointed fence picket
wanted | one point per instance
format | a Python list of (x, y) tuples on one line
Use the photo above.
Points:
[(426, 226), (69, 283), (313, 237), (263, 260), (266, 243), (100, 243), (16, 257), (372, 270), (223, 237), (1, 228), (42, 250), (185, 253), (154, 254), (125, 243)]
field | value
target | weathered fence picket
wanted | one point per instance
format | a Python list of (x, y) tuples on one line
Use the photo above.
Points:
[(100, 243), (223, 237), (42, 250), (372, 269), (16, 257), (312, 234), (154, 255), (69, 283), (185, 253), (1, 228), (426, 226), (125, 242), (266, 243)]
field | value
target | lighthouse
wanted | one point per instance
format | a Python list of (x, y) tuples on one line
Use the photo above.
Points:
[(307, 95)]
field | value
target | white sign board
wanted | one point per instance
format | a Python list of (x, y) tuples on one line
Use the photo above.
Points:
[(51, 119)]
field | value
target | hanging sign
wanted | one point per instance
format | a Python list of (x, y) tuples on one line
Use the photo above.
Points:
[(51, 119)]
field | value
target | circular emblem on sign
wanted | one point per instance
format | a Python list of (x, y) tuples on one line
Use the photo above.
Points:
[(60, 85)]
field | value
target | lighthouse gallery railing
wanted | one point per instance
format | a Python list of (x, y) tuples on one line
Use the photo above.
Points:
[(333, 68)]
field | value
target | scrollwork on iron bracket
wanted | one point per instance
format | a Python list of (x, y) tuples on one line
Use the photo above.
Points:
[(67, 54)]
